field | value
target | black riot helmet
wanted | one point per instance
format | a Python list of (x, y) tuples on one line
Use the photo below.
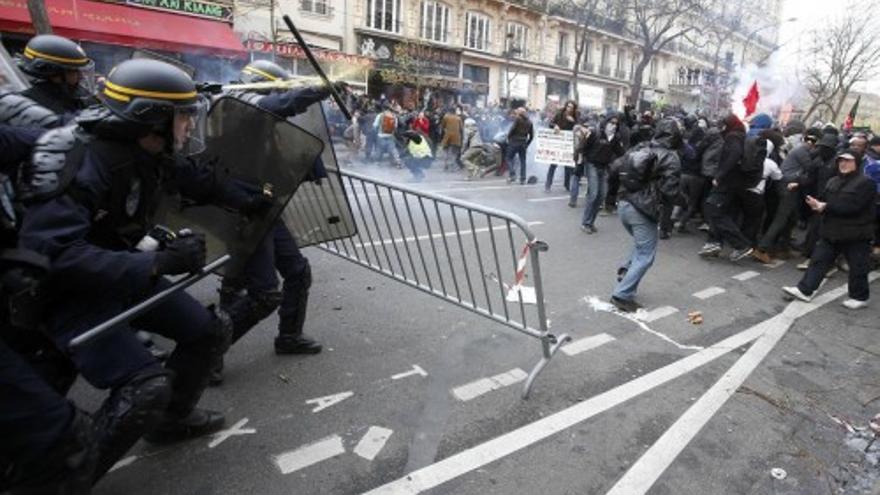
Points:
[(263, 71), (48, 55), (154, 96)]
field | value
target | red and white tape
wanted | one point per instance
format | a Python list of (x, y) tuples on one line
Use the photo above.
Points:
[(520, 276)]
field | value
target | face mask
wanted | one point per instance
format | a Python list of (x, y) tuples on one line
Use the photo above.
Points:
[(610, 129)]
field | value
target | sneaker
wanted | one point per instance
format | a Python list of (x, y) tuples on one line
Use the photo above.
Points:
[(625, 305), (803, 265), (843, 265), (797, 294), (588, 229), (511, 180), (704, 227), (762, 256), (710, 249), (296, 344), (739, 254), (572, 204), (198, 423), (855, 304)]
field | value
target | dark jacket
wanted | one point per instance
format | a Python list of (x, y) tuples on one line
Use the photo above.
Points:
[(521, 132), (729, 174), (849, 213), (797, 163), (709, 152), (599, 150), (663, 183)]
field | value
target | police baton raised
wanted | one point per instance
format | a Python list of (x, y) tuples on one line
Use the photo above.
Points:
[(318, 70), (131, 313)]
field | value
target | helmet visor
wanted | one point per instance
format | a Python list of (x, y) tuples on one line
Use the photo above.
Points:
[(86, 75), (189, 127)]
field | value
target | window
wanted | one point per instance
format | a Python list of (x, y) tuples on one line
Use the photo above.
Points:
[(476, 31), (435, 22), (621, 58), (517, 36), (588, 55), (314, 6), (384, 15), (562, 47), (603, 60)]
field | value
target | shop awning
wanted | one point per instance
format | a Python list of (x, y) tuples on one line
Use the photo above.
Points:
[(128, 26)]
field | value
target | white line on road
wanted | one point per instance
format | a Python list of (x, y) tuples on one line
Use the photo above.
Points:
[(322, 403), (710, 292), (642, 475), (314, 453), (485, 453), (742, 277), (416, 370), (373, 442), (485, 385), (656, 314), (585, 344), (453, 233), (554, 198), (222, 436), (775, 264)]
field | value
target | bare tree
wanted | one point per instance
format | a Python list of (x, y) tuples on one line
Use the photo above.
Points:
[(845, 52), (586, 15), (39, 16), (656, 24)]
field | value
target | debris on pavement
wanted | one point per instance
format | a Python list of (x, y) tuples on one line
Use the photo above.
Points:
[(695, 318), (778, 473)]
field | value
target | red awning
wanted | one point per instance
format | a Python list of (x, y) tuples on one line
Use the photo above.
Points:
[(129, 26)]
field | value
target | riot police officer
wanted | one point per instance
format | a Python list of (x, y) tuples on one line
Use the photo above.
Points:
[(62, 75), (279, 251), (110, 170)]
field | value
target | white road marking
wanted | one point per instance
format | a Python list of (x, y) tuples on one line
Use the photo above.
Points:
[(484, 385), (490, 451), (123, 462), (308, 455), (453, 233), (372, 442), (552, 198), (639, 319), (417, 370), (775, 264), (585, 344), (642, 475), (710, 292), (742, 277), (322, 403), (222, 436), (655, 314), (528, 294)]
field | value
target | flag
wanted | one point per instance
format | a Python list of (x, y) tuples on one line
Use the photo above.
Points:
[(751, 99), (851, 116)]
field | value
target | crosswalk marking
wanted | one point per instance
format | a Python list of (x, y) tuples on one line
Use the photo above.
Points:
[(314, 453), (742, 277), (585, 344), (656, 314), (482, 386), (710, 292)]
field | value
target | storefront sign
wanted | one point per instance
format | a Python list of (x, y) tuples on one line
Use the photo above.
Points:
[(411, 57), (197, 8), (291, 50), (591, 96), (392, 76), (553, 146)]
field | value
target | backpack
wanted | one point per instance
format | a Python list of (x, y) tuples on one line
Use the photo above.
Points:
[(388, 125), (638, 168), (752, 163)]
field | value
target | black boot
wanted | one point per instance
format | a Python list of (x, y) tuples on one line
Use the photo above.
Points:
[(296, 344), (195, 424)]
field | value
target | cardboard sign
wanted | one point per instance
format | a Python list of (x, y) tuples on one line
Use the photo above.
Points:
[(554, 147)]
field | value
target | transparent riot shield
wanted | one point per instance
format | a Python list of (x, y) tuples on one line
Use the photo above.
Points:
[(11, 79), (255, 151), (320, 211)]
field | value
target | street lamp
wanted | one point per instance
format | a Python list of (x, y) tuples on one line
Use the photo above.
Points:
[(742, 60)]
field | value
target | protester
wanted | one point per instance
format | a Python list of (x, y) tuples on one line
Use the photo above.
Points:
[(520, 136), (564, 120), (453, 127), (600, 149)]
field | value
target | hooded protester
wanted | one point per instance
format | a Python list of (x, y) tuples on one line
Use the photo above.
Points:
[(822, 168), (600, 149), (726, 199), (759, 123), (846, 209), (648, 175), (693, 182)]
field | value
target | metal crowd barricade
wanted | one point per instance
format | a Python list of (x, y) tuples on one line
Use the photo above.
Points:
[(481, 259)]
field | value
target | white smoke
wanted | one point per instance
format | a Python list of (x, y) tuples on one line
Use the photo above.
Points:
[(777, 85)]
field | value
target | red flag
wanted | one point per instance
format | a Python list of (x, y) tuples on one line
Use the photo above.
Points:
[(851, 116), (751, 99)]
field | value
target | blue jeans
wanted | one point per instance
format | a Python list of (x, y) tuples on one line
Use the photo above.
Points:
[(644, 233), (597, 186), (514, 149), (574, 188), (386, 144)]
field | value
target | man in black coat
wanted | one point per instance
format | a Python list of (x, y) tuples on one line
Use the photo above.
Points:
[(847, 226)]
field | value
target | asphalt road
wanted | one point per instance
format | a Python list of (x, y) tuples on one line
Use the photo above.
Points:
[(413, 394)]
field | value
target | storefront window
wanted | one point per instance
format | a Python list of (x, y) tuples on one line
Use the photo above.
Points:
[(475, 73), (477, 31), (435, 22), (384, 15)]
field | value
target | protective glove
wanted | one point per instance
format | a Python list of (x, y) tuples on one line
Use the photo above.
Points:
[(184, 254), (258, 204)]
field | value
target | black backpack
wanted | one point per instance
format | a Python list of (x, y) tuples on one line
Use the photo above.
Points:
[(638, 168), (752, 163)]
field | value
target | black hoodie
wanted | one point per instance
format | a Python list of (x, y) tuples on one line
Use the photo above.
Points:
[(729, 177)]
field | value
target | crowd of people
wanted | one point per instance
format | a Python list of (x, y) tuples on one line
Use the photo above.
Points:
[(755, 186)]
